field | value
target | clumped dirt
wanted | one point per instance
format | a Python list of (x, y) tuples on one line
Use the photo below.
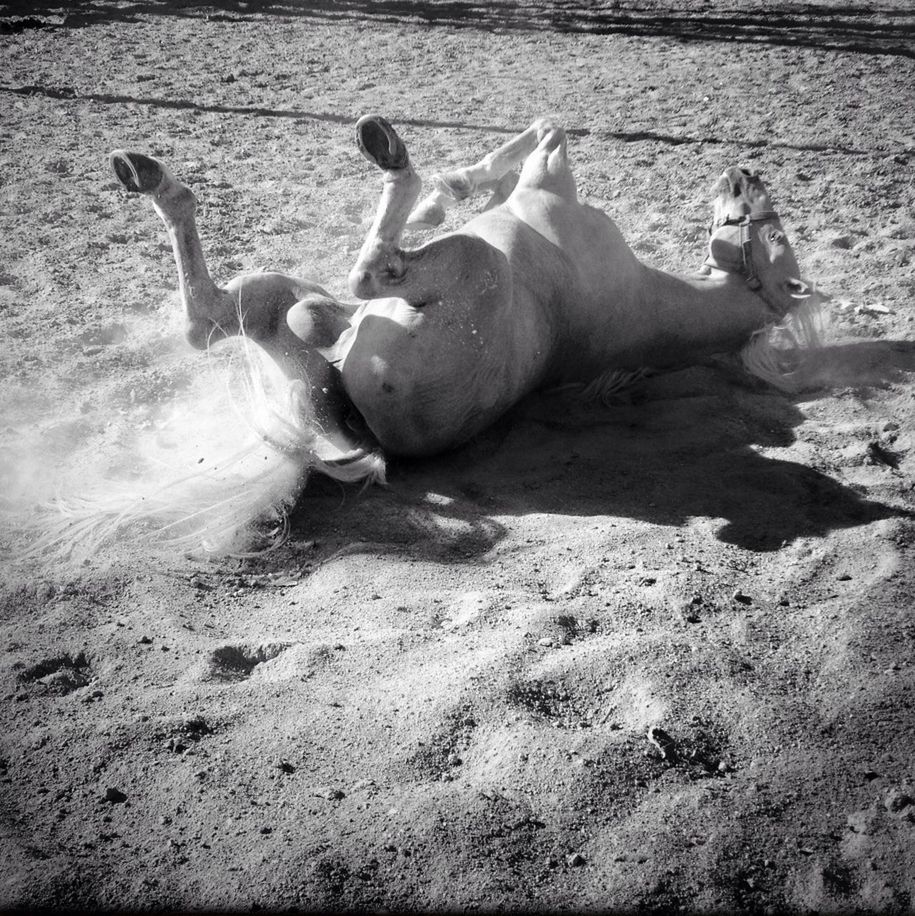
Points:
[(441, 694)]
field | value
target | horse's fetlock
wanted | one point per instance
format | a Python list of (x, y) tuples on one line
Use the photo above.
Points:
[(179, 199), (402, 176)]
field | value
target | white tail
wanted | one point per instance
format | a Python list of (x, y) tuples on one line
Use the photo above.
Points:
[(233, 503)]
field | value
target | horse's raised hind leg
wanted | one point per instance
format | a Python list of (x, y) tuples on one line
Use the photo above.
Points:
[(211, 311), (265, 306), (289, 318), (491, 173)]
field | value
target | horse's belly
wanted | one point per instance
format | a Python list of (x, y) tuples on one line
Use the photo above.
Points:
[(423, 379)]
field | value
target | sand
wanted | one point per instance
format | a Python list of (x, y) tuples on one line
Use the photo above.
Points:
[(439, 694)]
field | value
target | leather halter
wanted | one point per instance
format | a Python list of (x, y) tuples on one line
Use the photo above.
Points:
[(735, 255)]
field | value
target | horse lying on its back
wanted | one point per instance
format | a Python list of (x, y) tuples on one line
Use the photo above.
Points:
[(537, 290)]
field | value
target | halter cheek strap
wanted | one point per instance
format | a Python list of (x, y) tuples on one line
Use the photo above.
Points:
[(731, 246)]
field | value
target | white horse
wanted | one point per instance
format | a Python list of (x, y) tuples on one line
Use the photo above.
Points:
[(538, 290)]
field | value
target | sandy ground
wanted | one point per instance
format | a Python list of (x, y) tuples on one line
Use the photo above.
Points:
[(436, 695)]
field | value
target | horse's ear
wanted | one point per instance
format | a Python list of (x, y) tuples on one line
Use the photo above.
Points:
[(798, 289)]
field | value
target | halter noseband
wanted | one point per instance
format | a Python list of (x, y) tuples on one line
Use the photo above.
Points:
[(744, 243)]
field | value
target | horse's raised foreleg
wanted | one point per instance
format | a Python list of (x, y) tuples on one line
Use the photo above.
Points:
[(381, 259), (493, 173), (421, 275)]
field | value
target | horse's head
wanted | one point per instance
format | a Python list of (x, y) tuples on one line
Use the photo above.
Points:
[(746, 237)]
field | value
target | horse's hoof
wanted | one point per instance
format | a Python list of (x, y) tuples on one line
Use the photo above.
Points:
[(138, 173), (378, 142)]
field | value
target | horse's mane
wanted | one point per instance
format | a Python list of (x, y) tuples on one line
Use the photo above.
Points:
[(775, 353)]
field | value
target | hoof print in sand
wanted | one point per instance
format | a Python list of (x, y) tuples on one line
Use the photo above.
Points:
[(186, 733), (61, 674), (441, 756), (275, 661), (550, 702), (467, 610)]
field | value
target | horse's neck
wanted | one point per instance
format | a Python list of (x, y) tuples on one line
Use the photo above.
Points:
[(682, 317)]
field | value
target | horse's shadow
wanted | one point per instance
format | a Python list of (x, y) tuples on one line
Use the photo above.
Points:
[(686, 446)]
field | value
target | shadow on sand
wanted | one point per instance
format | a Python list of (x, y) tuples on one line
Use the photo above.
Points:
[(861, 28), (257, 111), (686, 447)]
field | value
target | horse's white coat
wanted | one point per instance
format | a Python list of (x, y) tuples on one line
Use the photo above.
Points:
[(537, 290)]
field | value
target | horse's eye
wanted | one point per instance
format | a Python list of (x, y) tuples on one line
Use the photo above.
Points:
[(776, 236)]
